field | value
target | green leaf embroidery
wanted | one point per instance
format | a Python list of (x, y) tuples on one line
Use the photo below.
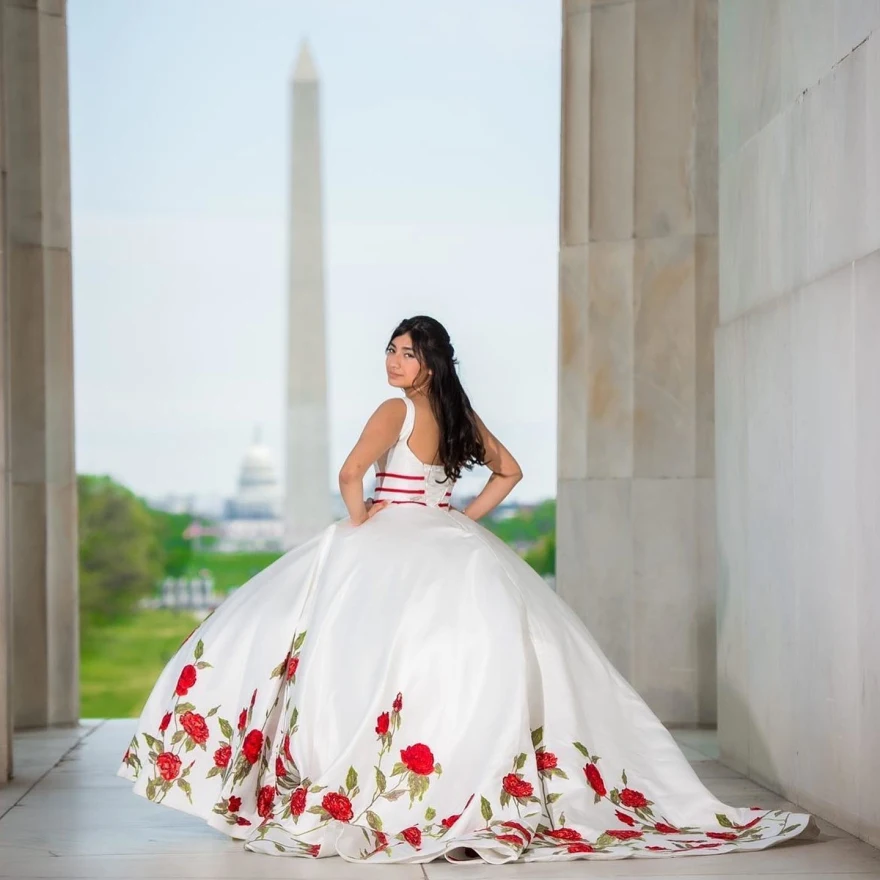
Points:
[(582, 749), (374, 821), (723, 821), (520, 760), (485, 809), (200, 649), (298, 643), (537, 736), (430, 813), (351, 780), (380, 780), (225, 728)]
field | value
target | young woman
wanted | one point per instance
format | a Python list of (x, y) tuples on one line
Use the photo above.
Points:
[(404, 687)]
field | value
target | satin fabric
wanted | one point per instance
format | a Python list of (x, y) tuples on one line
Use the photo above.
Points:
[(408, 689)]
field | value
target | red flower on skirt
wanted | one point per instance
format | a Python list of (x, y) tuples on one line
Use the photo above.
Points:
[(280, 772), (749, 824), (546, 760), (242, 821), (314, 850), (521, 828), (413, 836), (515, 839), (657, 848), (579, 848), (449, 821), (242, 719), (265, 801), (381, 840), (253, 744), (196, 726), (222, 755), (168, 765), (594, 777), (627, 820), (287, 748), (418, 759), (166, 720), (722, 835), (624, 835), (397, 705), (338, 806), (234, 803), (663, 828), (564, 834), (382, 723), (186, 680), (292, 665), (631, 798), (298, 801), (516, 787)]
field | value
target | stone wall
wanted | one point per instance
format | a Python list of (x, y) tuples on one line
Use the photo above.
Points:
[(798, 402)]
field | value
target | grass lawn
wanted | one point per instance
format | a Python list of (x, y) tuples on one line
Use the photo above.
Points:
[(230, 569), (119, 662)]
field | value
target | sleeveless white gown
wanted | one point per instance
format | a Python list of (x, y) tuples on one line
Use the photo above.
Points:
[(408, 688)]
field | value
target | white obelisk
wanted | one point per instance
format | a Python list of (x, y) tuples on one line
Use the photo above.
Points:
[(307, 505)]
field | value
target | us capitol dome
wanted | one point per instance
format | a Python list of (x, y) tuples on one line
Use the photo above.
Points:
[(252, 519)]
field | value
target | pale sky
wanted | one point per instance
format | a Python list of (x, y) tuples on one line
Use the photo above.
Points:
[(441, 167)]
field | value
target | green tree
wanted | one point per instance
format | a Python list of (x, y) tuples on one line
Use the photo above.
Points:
[(542, 557), (121, 557), (176, 550)]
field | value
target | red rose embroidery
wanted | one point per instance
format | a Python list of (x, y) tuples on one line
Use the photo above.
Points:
[(515, 839), (657, 848), (280, 772), (287, 748), (253, 698), (242, 821), (186, 681), (265, 801), (594, 777), (169, 766), (546, 760), (338, 806), (126, 756), (381, 840), (579, 848), (624, 835), (449, 821), (663, 828), (627, 820), (521, 828), (234, 803), (721, 835), (166, 720), (222, 755), (631, 798), (382, 724), (749, 824), (516, 787), (314, 850), (253, 743), (418, 759), (413, 836), (397, 705), (298, 801), (564, 834), (196, 726), (242, 719), (292, 665)]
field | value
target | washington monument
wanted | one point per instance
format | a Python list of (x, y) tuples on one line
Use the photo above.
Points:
[(307, 504)]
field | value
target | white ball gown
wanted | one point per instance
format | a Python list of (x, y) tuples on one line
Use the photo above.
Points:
[(407, 689)]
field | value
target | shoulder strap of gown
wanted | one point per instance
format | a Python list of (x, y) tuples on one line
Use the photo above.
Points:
[(408, 421)]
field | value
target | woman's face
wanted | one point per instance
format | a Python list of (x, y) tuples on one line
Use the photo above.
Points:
[(401, 363)]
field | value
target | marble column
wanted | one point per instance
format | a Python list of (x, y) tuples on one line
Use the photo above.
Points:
[(638, 300), (307, 503), (41, 556)]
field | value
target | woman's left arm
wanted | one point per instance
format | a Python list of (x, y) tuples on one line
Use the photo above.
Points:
[(379, 434)]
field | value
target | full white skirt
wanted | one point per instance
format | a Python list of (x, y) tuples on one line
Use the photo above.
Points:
[(406, 689)]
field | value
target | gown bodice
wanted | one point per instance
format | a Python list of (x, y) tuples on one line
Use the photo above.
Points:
[(402, 478)]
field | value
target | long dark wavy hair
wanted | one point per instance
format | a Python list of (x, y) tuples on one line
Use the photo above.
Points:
[(460, 444)]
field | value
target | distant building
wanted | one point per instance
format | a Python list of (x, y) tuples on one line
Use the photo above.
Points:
[(252, 518)]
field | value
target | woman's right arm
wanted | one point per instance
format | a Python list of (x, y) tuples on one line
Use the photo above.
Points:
[(506, 473)]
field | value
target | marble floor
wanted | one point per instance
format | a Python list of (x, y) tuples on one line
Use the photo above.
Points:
[(67, 815)]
